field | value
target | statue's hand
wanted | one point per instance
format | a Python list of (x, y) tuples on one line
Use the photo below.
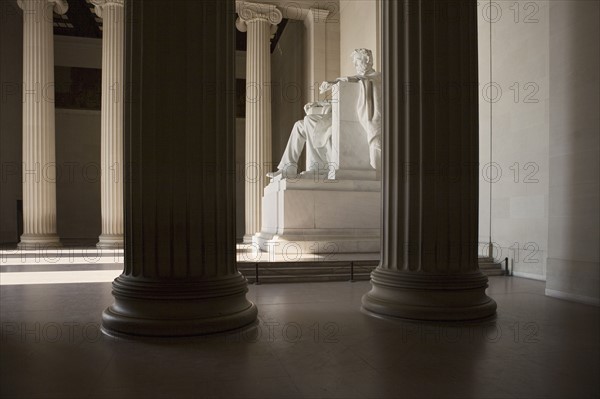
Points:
[(325, 86), (348, 79), (309, 106)]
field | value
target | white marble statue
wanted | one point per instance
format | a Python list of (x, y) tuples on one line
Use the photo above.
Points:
[(369, 106), (314, 130)]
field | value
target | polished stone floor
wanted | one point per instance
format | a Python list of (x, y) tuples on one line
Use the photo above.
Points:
[(312, 341), (94, 265)]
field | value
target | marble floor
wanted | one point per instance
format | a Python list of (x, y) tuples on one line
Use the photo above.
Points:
[(93, 265), (311, 341)]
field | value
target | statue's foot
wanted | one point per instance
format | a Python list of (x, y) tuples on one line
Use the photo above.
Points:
[(287, 173), (290, 172), (273, 175)]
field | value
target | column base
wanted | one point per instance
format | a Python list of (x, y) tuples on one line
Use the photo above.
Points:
[(428, 297), (110, 241), (247, 239), (178, 308), (39, 241)]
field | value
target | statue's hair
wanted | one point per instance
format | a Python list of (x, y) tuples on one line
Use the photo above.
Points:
[(363, 53)]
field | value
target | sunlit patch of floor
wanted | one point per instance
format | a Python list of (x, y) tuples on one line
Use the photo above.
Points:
[(50, 256), (58, 277), (93, 265)]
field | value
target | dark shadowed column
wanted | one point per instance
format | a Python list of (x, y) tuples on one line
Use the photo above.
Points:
[(180, 276), (429, 265)]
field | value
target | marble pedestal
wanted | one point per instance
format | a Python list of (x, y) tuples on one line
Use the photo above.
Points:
[(312, 214)]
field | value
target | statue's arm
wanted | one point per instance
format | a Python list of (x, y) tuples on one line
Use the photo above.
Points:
[(328, 84), (318, 104), (348, 79), (308, 106)]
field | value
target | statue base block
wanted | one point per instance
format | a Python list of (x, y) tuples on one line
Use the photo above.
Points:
[(316, 215)]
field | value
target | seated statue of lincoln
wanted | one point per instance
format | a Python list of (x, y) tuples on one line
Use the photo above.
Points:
[(314, 130)]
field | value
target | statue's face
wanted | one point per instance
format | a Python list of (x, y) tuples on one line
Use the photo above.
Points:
[(362, 64)]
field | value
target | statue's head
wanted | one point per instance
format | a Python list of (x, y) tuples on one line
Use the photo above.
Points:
[(362, 59)]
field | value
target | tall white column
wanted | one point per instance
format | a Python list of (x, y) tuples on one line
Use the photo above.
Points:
[(180, 276), (260, 22), (428, 268), (316, 51), (113, 41), (39, 164)]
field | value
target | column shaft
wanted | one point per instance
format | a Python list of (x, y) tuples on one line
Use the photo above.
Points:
[(259, 21), (180, 276), (429, 264), (113, 41), (316, 52), (258, 121), (39, 159)]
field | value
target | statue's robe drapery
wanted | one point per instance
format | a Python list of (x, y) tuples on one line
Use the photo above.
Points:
[(369, 108), (314, 131)]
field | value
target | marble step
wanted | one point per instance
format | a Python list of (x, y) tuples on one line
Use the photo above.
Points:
[(491, 267), (282, 272), (307, 278)]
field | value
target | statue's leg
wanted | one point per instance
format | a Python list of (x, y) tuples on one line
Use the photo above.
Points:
[(316, 154), (294, 147), (316, 157), (375, 152)]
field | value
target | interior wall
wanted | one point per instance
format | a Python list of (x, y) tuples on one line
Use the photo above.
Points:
[(332, 53), (485, 115), (81, 52), (514, 96), (11, 71), (240, 155), (574, 223), (359, 28), (78, 184), (78, 152)]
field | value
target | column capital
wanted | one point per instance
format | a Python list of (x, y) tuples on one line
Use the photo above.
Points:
[(60, 6), (100, 4), (256, 11), (318, 15)]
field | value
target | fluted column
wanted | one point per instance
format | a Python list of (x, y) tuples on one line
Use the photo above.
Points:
[(180, 276), (316, 51), (113, 42), (39, 158), (260, 22), (429, 265)]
